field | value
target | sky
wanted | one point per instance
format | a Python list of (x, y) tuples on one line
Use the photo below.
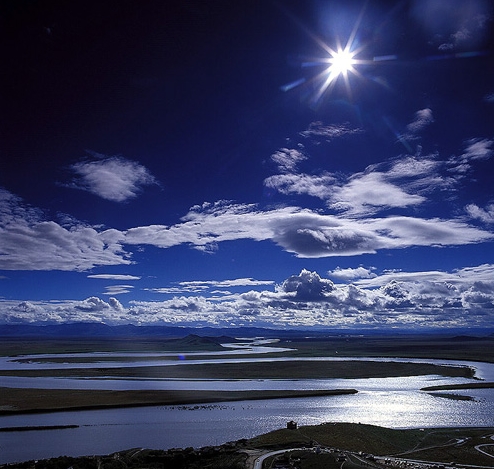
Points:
[(272, 163)]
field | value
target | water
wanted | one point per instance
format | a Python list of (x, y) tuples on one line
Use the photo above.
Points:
[(389, 402)]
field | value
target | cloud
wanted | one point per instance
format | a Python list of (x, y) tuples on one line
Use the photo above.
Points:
[(423, 119), (361, 193), (371, 192), (304, 232), (485, 215), (287, 159), (114, 290), (462, 27), (197, 286), (28, 241), (400, 183), (430, 299), (476, 149), (352, 274), (91, 309), (112, 178), (307, 286), (113, 277), (329, 132), (301, 184)]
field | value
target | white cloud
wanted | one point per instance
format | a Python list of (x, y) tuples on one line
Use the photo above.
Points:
[(352, 273), (423, 119), (371, 192), (197, 286), (461, 298), (114, 290), (112, 178), (475, 149), (304, 232), (329, 132), (307, 286), (30, 242), (486, 215), (287, 159), (315, 186), (114, 277)]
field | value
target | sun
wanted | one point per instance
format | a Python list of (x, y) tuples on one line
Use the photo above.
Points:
[(342, 62)]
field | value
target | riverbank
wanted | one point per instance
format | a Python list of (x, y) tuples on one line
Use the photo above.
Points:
[(24, 401)]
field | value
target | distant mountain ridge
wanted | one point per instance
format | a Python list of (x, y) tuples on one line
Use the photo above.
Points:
[(100, 330)]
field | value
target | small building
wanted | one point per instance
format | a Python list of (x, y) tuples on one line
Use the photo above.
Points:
[(291, 425)]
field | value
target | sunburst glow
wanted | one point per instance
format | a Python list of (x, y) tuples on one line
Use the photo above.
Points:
[(342, 62)]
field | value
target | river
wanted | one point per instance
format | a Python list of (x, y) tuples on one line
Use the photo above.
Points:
[(389, 402)]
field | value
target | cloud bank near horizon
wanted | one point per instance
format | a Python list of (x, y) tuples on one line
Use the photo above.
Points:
[(414, 300)]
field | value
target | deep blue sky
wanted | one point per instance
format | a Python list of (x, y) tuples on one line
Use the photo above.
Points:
[(191, 163)]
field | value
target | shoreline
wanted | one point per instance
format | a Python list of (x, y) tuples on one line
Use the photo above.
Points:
[(59, 400)]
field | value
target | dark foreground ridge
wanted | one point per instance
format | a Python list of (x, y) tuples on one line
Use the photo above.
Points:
[(330, 445)]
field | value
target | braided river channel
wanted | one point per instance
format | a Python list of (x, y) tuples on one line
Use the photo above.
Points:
[(389, 402)]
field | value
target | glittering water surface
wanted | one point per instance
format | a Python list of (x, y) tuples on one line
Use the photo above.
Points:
[(390, 402)]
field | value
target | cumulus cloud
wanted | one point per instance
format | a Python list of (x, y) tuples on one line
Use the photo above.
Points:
[(111, 178), (352, 273), (460, 298), (92, 309), (307, 286), (28, 241)]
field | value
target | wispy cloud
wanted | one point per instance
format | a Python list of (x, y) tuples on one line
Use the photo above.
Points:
[(485, 215), (318, 129), (198, 286), (112, 178), (113, 290), (423, 118), (462, 27), (287, 159), (114, 277)]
